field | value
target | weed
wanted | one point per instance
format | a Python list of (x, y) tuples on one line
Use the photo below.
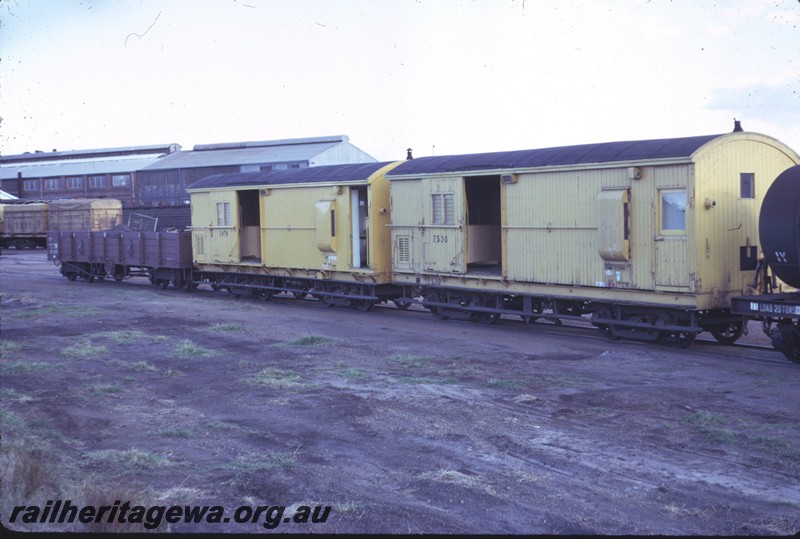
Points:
[(100, 390), (270, 460), (130, 458), (174, 433), (143, 366), (410, 361), (18, 367), (8, 348), (188, 349), (83, 349), (10, 394), (275, 377), (312, 340), (227, 327), (122, 337), (501, 383)]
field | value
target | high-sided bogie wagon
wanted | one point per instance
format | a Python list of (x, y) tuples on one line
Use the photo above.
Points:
[(163, 257)]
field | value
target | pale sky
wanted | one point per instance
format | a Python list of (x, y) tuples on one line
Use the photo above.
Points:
[(439, 76)]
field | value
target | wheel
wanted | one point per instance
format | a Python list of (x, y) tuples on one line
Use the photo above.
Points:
[(677, 339), (363, 305), (71, 275), (402, 304), (162, 283), (266, 295), (485, 318), (215, 287), (603, 313), (300, 295), (730, 333), (436, 311)]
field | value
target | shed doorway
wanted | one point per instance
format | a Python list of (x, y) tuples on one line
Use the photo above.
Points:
[(484, 232), (249, 226)]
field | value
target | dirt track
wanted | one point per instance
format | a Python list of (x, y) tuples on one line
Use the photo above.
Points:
[(400, 422)]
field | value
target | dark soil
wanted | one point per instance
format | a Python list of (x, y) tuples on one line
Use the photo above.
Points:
[(400, 422)]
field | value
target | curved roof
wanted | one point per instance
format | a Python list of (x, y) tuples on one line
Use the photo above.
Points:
[(606, 152), (332, 173)]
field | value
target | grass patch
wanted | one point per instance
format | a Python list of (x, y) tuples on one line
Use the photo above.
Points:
[(710, 425), (227, 327), (12, 395), (129, 458), (83, 349), (502, 383), (188, 349), (174, 433), (274, 377), (8, 348), (101, 390), (270, 460), (780, 447), (312, 340), (410, 361), (143, 366), (19, 367), (122, 337), (459, 479)]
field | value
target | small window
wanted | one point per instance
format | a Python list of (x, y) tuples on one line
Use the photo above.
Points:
[(673, 212), (31, 185), (52, 184), (97, 181), (74, 183), (443, 209), (223, 214), (747, 185), (121, 180)]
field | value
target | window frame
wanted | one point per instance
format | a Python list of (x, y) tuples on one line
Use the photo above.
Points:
[(223, 214), (74, 182), (661, 214), (52, 184), (747, 179), (444, 202), (125, 180)]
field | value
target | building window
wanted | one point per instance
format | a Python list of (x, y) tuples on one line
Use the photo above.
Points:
[(443, 208), (52, 184), (31, 185), (223, 214), (673, 211), (747, 185), (96, 182), (121, 180), (74, 183)]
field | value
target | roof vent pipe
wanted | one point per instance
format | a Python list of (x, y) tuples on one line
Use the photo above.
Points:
[(408, 154), (737, 126)]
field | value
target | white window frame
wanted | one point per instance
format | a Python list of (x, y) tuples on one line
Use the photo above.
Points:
[(223, 214), (75, 183), (52, 184), (30, 185), (443, 209), (677, 224), (97, 182)]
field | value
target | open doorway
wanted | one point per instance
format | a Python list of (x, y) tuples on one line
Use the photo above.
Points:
[(484, 236), (360, 218), (250, 229)]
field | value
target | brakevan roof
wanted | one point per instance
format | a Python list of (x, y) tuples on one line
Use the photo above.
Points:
[(331, 173), (606, 152)]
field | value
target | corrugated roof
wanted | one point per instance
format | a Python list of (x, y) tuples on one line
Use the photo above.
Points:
[(76, 167), (332, 173), (606, 152), (155, 149), (288, 151)]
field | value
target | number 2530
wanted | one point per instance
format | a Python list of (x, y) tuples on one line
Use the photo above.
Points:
[(439, 239)]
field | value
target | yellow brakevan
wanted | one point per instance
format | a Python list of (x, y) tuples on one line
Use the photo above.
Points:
[(651, 237), (319, 230)]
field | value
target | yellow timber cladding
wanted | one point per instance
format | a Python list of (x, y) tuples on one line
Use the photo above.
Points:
[(680, 231), (328, 229)]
